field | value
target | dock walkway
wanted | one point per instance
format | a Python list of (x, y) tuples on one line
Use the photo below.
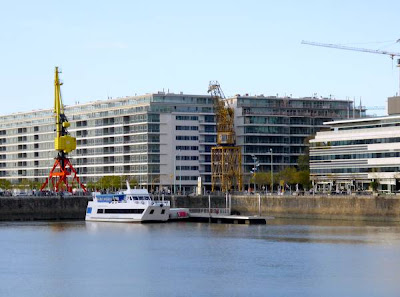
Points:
[(222, 216)]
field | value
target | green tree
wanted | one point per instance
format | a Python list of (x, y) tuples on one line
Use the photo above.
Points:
[(115, 182), (5, 184), (303, 162), (91, 186), (260, 179), (303, 178), (287, 176), (374, 185), (104, 183), (24, 184)]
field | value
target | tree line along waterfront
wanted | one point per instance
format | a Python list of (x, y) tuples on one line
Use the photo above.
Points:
[(27, 186)]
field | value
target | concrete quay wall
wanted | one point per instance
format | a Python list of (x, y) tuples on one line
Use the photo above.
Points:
[(373, 208), (42, 208), (382, 208)]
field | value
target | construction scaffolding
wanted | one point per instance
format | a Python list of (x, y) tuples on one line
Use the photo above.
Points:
[(226, 157)]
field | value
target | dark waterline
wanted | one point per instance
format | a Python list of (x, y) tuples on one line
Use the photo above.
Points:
[(283, 258)]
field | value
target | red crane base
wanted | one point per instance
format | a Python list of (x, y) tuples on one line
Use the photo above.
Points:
[(59, 176)]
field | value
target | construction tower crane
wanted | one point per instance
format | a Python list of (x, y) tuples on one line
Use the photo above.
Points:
[(226, 157), (357, 49), (64, 143), (349, 48)]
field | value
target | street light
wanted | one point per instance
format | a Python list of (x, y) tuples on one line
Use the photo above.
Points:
[(272, 173), (255, 168), (180, 169)]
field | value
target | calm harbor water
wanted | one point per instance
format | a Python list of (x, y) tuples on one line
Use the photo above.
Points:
[(283, 258)]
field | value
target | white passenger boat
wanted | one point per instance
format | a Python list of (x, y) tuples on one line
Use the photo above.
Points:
[(133, 205)]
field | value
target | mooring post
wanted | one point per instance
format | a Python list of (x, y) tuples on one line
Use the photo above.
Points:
[(259, 204)]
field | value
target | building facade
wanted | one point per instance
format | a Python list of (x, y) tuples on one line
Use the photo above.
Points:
[(163, 140), (160, 139), (273, 131), (354, 153)]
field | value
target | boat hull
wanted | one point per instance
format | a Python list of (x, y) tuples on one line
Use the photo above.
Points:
[(126, 212)]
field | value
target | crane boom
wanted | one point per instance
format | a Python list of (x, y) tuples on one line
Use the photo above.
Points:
[(350, 48)]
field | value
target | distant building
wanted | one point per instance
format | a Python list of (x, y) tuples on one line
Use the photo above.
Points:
[(394, 105), (282, 124), (354, 153), (163, 139)]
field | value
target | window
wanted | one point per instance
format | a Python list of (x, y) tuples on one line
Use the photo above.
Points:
[(192, 128), (187, 148), (186, 178), (186, 137), (188, 158), (187, 167), (123, 210), (152, 211), (163, 211), (187, 118)]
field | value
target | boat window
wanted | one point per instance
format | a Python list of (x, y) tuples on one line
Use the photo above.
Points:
[(146, 198), (140, 197), (163, 211), (123, 210), (135, 198), (100, 211), (152, 211)]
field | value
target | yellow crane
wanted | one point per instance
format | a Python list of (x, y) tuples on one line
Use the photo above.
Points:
[(226, 157), (64, 143)]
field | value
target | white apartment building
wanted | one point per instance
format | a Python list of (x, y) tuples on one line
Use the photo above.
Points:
[(154, 138)]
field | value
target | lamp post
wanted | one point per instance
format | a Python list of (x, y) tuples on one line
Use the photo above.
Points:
[(174, 190), (180, 168), (255, 168), (272, 173)]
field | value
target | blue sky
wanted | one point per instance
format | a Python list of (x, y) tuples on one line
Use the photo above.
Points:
[(120, 48)]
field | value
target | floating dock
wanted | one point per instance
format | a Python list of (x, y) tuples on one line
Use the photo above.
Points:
[(215, 215), (228, 219)]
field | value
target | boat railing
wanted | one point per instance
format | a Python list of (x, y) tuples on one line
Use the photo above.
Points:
[(150, 202), (159, 202), (217, 211)]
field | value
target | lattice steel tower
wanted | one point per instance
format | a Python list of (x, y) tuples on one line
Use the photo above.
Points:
[(226, 157)]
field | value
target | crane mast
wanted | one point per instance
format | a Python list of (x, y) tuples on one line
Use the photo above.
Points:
[(64, 143), (226, 158)]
